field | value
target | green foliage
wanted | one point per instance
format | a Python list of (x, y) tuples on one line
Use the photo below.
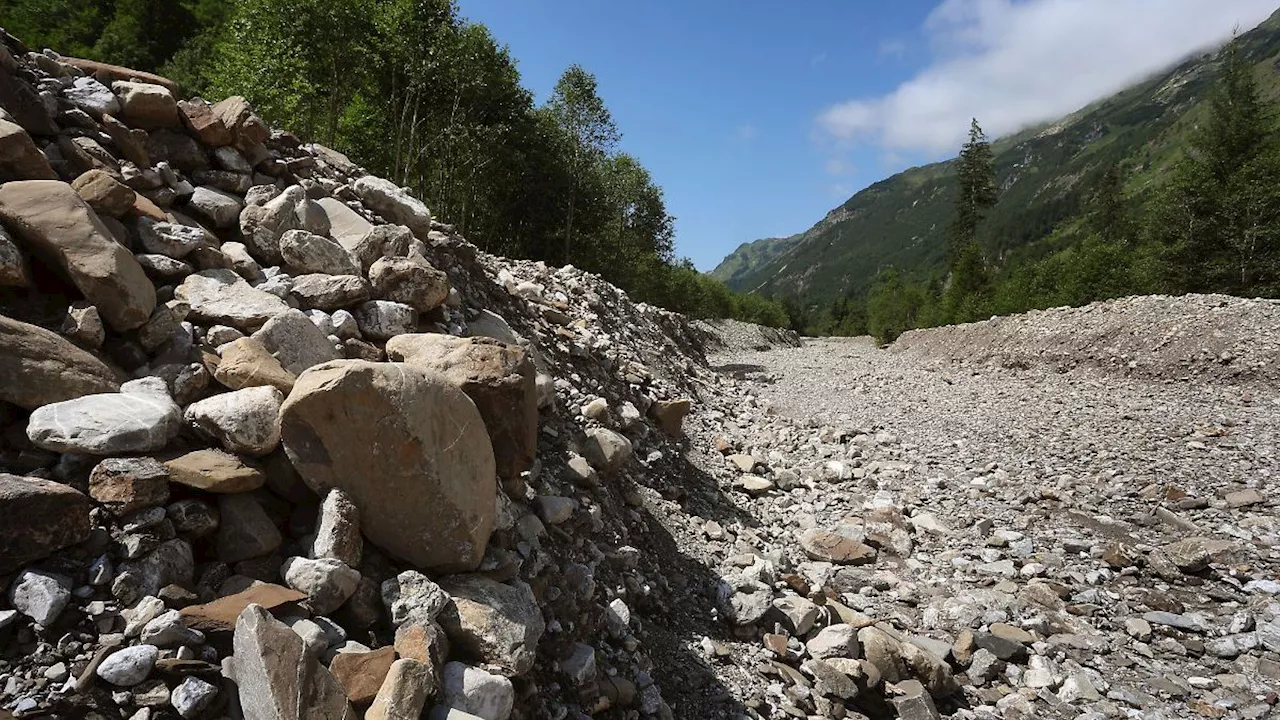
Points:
[(1046, 176), (976, 184), (894, 306), (1207, 221), (412, 91), (71, 27)]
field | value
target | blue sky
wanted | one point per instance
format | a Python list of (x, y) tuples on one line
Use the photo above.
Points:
[(758, 117)]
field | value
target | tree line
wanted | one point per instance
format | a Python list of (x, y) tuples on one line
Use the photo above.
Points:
[(416, 93), (1212, 224)]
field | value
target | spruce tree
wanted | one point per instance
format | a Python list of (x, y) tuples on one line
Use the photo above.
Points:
[(1221, 218), (975, 172)]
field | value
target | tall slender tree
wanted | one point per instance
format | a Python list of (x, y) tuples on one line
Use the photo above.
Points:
[(977, 193), (975, 171), (591, 134)]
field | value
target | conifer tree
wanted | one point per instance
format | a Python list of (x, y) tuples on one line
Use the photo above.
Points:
[(976, 175)]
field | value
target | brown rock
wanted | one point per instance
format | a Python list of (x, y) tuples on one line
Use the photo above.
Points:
[(404, 692), (146, 105), (107, 73), (200, 120), (104, 193), (39, 367), (220, 615), (143, 207), (52, 221), (499, 379), (408, 447), (670, 414), (361, 673), (246, 362), (40, 517), (214, 471), (131, 143), (425, 643), (128, 484), (236, 114), (842, 546), (20, 159)]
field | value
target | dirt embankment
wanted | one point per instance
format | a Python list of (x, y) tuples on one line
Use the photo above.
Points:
[(1202, 337)]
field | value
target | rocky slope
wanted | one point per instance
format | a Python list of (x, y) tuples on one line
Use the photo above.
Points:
[(1039, 538), (276, 443)]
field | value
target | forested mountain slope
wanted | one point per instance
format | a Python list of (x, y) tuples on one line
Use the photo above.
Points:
[(1046, 175)]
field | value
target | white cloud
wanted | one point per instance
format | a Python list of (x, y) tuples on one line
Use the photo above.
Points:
[(1014, 63)]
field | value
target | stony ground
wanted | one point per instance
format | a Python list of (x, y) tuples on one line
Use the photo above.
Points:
[(218, 501), (1095, 542)]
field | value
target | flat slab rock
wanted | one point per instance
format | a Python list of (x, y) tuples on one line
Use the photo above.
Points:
[(223, 297), (140, 418), (221, 614)]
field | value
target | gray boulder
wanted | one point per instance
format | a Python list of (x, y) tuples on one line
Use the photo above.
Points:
[(277, 678), (140, 418)]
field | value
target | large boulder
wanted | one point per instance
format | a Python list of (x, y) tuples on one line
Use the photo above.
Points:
[(39, 367), (295, 341), (498, 378), (493, 622), (277, 678), (146, 106), (140, 418), (409, 280), (55, 223), (40, 518), (246, 363), (223, 297), (345, 225), (20, 159), (394, 203), (410, 450)]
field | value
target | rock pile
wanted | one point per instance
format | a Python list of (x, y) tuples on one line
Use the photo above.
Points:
[(278, 444)]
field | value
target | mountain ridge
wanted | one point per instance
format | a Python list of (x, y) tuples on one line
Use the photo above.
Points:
[(1046, 172)]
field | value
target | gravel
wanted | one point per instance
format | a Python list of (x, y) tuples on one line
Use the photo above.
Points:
[(1099, 520)]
